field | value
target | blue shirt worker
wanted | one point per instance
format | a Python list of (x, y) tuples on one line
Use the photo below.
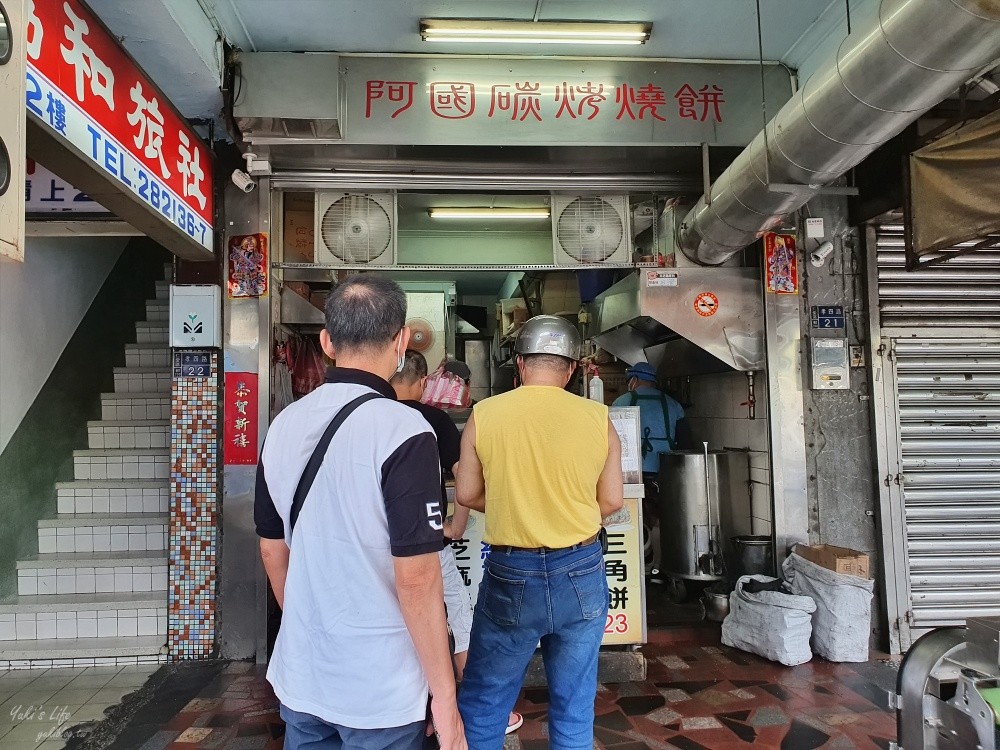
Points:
[(658, 415)]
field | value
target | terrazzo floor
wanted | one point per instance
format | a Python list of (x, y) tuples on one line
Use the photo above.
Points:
[(697, 695)]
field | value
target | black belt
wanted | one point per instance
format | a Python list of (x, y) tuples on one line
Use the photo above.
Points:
[(506, 548)]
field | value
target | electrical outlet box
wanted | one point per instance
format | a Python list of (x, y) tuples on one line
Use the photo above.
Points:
[(195, 316), (857, 356)]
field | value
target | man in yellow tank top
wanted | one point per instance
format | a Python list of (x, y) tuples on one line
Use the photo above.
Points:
[(545, 467)]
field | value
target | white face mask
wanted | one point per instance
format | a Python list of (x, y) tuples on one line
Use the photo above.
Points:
[(401, 360)]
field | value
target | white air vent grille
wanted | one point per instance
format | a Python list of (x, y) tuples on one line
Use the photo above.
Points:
[(591, 230), (356, 229)]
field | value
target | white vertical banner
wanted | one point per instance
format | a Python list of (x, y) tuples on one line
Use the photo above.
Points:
[(13, 57)]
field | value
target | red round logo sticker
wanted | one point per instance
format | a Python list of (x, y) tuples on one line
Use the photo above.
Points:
[(706, 304)]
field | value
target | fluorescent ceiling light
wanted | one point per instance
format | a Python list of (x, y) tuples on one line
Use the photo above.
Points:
[(533, 32), (486, 212)]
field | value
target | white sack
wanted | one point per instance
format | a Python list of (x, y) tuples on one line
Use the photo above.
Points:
[(771, 624), (842, 621)]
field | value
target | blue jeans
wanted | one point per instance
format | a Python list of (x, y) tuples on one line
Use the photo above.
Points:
[(307, 732), (558, 598)]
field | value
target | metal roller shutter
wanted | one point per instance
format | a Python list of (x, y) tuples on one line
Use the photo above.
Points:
[(948, 409), (963, 291)]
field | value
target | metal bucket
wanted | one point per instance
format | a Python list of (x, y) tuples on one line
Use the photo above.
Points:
[(749, 555), (703, 499), (716, 605)]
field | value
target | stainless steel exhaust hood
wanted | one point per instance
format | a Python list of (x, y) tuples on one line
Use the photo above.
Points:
[(685, 320), (288, 98)]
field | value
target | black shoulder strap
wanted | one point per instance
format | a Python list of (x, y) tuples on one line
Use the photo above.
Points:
[(665, 405), (316, 459)]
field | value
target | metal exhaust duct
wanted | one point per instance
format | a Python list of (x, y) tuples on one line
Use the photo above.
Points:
[(884, 76)]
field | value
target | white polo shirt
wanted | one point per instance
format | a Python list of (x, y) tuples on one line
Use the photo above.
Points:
[(343, 652)]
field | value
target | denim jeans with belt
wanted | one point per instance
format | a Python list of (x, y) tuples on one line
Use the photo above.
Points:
[(558, 598)]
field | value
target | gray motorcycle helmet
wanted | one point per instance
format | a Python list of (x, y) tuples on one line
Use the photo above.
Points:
[(549, 334)]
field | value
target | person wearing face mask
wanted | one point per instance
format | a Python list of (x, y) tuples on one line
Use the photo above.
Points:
[(349, 482), (409, 386), (659, 415)]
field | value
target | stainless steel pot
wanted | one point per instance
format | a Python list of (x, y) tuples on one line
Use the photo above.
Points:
[(716, 605)]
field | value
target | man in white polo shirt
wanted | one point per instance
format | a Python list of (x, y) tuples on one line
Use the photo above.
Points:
[(350, 535)]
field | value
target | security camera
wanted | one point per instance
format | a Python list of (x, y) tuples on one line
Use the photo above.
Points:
[(243, 181), (818, 256)]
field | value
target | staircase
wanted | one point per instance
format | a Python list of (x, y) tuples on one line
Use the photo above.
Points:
[(96, 592)]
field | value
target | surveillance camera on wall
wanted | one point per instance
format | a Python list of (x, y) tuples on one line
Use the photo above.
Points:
[(818, 256), (243, 181)]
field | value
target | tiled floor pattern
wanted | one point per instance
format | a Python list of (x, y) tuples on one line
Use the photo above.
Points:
[(696, 697), (38, 705)]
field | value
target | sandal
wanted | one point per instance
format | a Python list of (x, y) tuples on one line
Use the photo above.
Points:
[(515, 721)]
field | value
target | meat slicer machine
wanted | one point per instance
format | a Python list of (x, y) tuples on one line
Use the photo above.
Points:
[(948, 690)]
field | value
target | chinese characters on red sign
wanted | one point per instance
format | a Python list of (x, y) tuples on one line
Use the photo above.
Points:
[(531, 101), (240, 410), (83, 86)]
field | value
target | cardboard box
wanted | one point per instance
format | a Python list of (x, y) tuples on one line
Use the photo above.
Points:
[(511, 315), (848, 562), (299, 237), (560, 293)]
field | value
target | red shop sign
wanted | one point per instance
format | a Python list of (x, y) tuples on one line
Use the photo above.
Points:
[(83, 86), (240, 411)]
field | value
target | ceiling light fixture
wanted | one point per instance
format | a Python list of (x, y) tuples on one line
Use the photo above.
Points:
[(466, 31), (485, 212)]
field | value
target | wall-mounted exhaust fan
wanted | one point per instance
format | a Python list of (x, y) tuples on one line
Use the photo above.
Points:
[(591, 230), (356, 228)]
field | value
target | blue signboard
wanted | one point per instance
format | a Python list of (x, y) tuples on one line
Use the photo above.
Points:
[(828, 317), (192, 364)]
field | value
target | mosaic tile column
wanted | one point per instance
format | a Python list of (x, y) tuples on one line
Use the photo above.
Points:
[(194, 503)]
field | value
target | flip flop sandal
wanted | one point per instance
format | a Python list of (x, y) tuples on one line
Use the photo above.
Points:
[(518, 721)]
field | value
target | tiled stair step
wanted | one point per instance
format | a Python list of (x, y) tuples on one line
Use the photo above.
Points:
[(128, 433), (142, 380), (118, 496), (163, 290), (122, 463), (98, 573), (29, 618), (103, 532), (147, 355), (157, 310), (80, 652), (151, 332), (135, 406)]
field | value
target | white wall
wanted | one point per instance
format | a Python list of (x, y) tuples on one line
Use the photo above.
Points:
[(820, 42), (474, 248), (717, 414), (42, 301)]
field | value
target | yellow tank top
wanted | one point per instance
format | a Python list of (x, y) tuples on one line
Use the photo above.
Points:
[(542, 451)]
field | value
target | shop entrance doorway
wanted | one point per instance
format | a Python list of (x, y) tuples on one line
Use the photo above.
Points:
[(475, 267)]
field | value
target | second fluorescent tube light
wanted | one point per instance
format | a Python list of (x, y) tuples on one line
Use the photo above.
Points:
[(488, 213), (533, 32)]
